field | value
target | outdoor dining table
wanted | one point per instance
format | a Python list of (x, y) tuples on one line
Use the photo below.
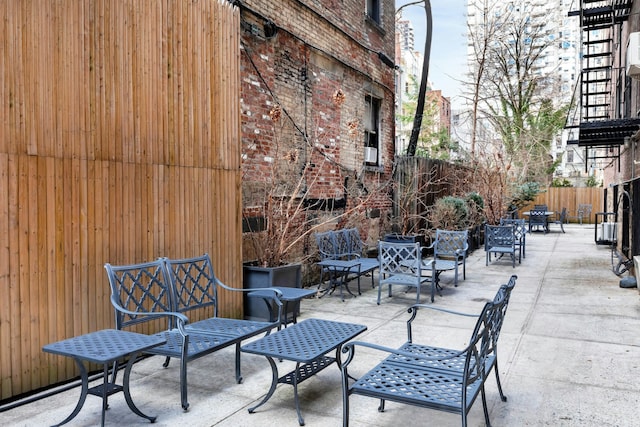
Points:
[(547, 213), (440, 266), (104, 347), (338, 271), (306, 343)]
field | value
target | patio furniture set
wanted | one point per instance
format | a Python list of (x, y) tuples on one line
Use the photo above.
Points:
[(342, 258), (540, 217), (398, 263), (167, 290)]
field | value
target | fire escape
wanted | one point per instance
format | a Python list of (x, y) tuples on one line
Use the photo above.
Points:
[(598, 121)]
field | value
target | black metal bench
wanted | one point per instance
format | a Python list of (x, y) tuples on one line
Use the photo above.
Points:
[(433, 377), (346, 244), (165, 290)]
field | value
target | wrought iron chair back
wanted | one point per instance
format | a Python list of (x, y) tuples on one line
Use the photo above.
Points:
[(561, 219), (538, 218), (401, 264), (452, 244), (196, 285), (500, 239), (139, 288), (520, 232), (326, 244)]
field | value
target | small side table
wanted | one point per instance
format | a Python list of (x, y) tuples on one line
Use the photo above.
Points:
[(338, 275), (307, 344), (104, 347), (288, 295)]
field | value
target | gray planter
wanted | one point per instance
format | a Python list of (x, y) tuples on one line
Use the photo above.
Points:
[(289, 276)]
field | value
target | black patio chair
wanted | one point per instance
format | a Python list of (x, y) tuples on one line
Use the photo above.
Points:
[(537, 219), (520, 231), (500, 239), (561, 219)]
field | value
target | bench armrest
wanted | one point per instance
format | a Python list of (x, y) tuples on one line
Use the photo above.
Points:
[(181, 319), (413, 310), (275, 298)]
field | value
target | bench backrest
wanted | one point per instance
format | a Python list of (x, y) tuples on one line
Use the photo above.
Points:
[(339, 244), (194, 282), (326, 245), (537, 217), (356, 246), (343, 244), (519, 226), (584, 209), (499, 236), (504, 293), (483, 340), (140, 288)]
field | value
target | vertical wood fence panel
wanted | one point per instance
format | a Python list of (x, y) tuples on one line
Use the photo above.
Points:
[(120, 143), (557, 198)]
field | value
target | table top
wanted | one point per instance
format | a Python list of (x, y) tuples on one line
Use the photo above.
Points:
[(288, 294), (547, 213), (441, 264), (104, 346), (339, 263), (305, 341)]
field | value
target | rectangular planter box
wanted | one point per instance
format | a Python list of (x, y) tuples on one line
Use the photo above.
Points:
[(289, 276)]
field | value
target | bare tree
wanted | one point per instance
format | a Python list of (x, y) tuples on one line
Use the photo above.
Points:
[(507, 90)]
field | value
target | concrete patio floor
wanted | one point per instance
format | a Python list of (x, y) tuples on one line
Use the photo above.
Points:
[(569, 354)]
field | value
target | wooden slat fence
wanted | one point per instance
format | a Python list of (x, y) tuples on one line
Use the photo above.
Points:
[(120, 143), (557, 198)]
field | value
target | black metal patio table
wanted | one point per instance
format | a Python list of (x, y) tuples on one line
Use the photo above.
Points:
[(306, 343), (338, 274), (104, 347)]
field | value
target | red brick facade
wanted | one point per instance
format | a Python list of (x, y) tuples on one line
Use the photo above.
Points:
[(310, 64)]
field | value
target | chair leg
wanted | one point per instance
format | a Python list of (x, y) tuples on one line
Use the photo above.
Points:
[(502, 396), (484, 406), (455, 275)]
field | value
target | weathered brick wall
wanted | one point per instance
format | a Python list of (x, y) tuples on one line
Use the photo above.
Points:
[(311, 63)]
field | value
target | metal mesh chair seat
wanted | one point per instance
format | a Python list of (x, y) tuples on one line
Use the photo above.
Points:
[(447, 359), (233, 328), (407, 384), (199, 344)]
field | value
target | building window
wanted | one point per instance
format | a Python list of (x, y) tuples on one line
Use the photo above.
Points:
[(373, 10), (371, 130), (569, 156)]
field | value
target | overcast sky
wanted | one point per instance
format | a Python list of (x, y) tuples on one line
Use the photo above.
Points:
[(448, 48)]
